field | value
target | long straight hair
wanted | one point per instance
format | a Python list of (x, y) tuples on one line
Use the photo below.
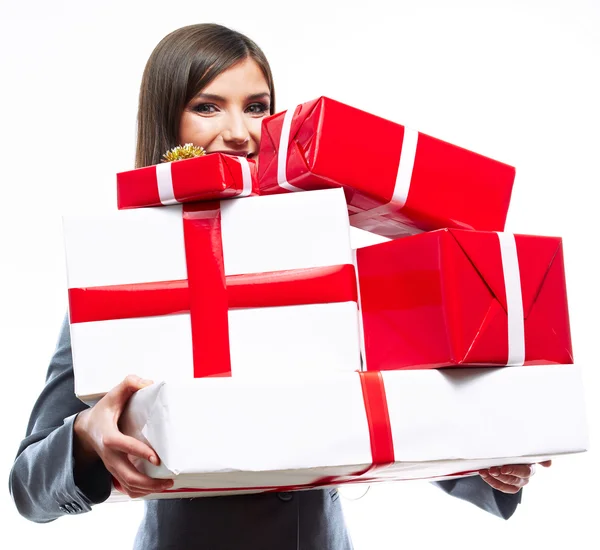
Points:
[(182, 64)]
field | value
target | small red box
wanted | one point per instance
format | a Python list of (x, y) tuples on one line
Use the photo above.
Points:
[(461, 298), (210, 177), (396, 180)]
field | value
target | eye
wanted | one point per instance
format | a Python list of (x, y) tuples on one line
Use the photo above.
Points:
[(257, 108), (205, 108)]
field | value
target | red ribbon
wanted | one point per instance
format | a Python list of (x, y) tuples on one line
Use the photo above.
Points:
[(378, 418), (380, 434), (382, 448), (208, 294), (318, 484)]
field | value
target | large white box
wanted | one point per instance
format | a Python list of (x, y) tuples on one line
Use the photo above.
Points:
[(258, 235), (224, 436)]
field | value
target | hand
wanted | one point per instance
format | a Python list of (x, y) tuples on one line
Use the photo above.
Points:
[(97, 435), (509, 479)]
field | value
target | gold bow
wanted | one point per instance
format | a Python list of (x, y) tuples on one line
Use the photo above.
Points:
[(182, 152)]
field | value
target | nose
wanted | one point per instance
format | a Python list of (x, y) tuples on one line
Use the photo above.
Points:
[(235, 130)]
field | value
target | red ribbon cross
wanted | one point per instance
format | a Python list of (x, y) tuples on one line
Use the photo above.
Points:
[(208, 294)]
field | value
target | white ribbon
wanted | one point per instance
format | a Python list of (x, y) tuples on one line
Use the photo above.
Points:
[(403, 174), (165, 184), (514, 299), (246, 177), (164, 179), (282, 154), (406, 164), (405, 168)]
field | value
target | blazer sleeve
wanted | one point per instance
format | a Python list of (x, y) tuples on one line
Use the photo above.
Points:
[(473, 489), (44, 481)]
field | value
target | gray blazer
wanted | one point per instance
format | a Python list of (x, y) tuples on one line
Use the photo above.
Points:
[(45, 485)]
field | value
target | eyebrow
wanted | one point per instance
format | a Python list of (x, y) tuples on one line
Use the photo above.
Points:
[(214, 97)]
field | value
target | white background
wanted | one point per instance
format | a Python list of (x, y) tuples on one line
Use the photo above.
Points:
[(515, 80)]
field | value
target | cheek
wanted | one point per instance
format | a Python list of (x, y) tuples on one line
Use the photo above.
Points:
[(197, 130), (254, 128)]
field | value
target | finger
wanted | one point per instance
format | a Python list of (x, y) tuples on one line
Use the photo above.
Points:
[(117, 485), (130, 493), (518, 470), (131, 479), (546, 463), (511, 480), (117, 441), (497, 484), (120, 394)]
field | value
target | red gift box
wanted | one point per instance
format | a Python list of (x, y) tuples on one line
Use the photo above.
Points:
[(454, 297), (396, 180), (213, 176)]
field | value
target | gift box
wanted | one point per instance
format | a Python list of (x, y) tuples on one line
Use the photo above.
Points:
[(396, 180), (209, 177), (262, 285), (454, 297), (222, 435)]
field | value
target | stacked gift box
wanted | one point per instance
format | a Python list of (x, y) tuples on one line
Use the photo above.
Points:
[(284, 359)]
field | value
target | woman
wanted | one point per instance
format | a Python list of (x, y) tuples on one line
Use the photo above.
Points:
[(211, 86)]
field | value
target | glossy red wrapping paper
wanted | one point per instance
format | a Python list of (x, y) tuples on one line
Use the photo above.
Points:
[(439, 299), (334, 145), (213, 176)]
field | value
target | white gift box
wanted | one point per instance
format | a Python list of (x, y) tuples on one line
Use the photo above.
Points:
[(231, 435), (125, 252)]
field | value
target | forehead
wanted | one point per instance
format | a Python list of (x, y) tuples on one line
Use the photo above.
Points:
[(244, 78)]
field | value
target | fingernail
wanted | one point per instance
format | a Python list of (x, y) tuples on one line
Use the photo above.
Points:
[(154, 460), (145, 382)]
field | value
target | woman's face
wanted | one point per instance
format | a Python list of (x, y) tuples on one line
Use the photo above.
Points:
[(226, 116)]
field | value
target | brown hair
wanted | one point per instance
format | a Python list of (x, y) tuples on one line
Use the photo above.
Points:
[(182, 64)]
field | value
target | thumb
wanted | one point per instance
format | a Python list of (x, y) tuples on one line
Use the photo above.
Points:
[(120, 394)]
